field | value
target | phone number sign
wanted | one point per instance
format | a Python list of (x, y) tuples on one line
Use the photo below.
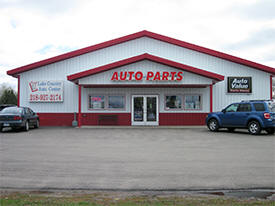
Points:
[(45, 91)]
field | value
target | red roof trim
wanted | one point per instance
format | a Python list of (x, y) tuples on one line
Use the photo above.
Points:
[(194, 47), (141, 57)]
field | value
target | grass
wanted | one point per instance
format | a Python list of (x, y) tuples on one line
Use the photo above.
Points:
[(104, 199)]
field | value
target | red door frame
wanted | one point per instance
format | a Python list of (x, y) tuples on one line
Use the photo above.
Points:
[(79, 106)]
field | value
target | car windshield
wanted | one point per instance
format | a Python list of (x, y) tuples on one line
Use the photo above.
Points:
[(11, 110), (271, 106)]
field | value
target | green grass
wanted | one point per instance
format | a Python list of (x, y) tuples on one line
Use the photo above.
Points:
[(103, 199)]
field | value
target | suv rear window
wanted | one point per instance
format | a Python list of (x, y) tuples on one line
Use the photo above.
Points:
[(244, 108), (259, 107)]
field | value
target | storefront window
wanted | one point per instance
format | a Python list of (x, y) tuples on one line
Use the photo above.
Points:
[(116, 102), (96, 102), (192, 102), (173, 102)]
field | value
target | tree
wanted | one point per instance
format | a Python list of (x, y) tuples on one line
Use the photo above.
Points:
[(8, 96)]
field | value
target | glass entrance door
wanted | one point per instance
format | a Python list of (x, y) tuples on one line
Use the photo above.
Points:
[(145, 110)]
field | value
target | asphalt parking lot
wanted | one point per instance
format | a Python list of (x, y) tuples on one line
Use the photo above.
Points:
[(136, 159)]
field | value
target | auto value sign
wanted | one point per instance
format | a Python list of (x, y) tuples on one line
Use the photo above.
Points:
[(239, 84), (46, 91)]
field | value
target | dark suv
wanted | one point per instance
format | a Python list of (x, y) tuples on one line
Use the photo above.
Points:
[(254, 115)]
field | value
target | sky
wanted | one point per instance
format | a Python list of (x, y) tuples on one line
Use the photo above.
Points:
[(33, 30)]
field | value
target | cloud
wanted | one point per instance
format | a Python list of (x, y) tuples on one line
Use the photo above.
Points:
[(257, 39), (259, 10), (47, 7), (32, 30)]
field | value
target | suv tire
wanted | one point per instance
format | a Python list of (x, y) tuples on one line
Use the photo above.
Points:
[(270, 130), (254, 128), (213, 125)]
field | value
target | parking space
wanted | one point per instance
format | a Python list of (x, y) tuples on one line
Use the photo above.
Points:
[(136, 158)]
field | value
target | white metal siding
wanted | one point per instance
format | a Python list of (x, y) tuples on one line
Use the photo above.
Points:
[(60, 70)]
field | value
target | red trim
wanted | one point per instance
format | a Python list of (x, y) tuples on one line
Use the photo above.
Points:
[(141, 57), (140, 34), (18, 90), (56, 119), (123, 119), (79, 106), (182, 119), (211, 98), (271, 87), (145, 86)]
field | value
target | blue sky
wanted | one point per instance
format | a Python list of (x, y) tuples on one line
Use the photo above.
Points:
[(33, 30)]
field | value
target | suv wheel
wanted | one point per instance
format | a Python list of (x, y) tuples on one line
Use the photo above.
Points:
[(213, 125), (1, 129), (254, 128), (270, 130)]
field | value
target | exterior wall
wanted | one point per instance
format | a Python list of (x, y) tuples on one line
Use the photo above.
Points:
[(59, 71)]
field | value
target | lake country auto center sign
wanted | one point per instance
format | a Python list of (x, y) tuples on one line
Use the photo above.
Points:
[(45, 91)]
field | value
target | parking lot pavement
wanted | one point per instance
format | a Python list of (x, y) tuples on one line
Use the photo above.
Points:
[(136, 159)]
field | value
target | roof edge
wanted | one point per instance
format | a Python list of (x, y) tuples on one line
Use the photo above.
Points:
[(145, 56), (140, 34)]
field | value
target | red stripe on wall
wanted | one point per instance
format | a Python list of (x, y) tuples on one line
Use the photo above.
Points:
[(182, 119), (119, 119), (56, 119)]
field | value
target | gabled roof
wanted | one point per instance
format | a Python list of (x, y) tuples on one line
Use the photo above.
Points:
[(93, 71), (140, 34)]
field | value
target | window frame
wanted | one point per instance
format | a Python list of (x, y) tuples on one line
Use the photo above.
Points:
[(192, 94), (106, 102), (173, 109), (124, 102), (91, 95)]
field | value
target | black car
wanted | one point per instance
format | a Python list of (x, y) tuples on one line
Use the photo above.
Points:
[(18, 118)]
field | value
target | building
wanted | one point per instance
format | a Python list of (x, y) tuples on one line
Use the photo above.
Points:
[(139, 79)]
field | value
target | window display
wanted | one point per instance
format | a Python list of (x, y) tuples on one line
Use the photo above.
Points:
[(192, 102)]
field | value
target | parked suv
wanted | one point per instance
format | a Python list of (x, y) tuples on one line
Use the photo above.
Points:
[(254, 115)]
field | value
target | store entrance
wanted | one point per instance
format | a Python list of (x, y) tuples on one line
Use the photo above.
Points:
[(145, 110)]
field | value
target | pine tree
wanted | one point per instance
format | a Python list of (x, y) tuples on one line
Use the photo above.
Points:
[(8, 97)]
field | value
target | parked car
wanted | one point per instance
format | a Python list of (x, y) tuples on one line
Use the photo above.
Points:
[(2, 106), (18, 118), (255, 115)]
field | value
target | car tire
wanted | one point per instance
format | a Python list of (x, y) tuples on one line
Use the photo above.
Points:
[(1, 129), (270, 130), (26, 126), (36, 124), (213, 125), (254, 128), (230, 129)]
